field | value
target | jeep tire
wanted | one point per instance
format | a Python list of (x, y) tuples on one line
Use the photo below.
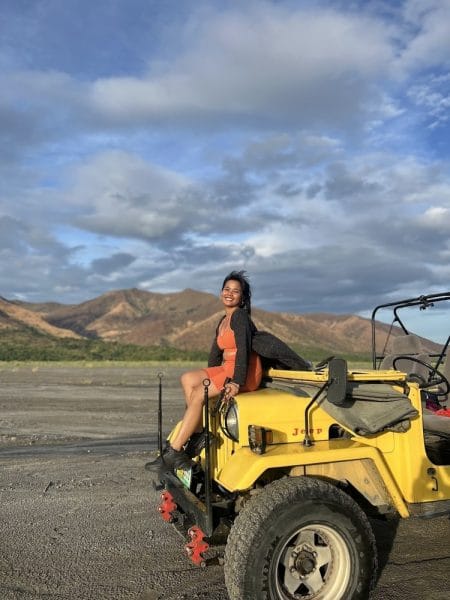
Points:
[(300, 537)]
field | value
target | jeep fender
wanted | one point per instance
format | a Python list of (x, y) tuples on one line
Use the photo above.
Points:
[(339, 460)]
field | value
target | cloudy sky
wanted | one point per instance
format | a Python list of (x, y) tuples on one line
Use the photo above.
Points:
[(159, 144)]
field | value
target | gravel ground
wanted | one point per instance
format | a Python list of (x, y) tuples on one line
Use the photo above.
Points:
[(79, 518)]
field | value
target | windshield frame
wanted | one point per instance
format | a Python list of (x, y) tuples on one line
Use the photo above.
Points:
[(423, 302)]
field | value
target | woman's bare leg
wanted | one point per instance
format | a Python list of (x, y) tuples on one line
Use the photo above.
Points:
[(192, 383)]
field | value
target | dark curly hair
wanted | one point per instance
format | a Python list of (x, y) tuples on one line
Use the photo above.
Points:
[(245, 286)]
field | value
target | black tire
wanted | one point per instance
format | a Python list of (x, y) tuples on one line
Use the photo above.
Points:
[(300, 538)]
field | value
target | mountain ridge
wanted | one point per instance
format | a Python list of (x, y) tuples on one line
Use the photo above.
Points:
[(185, 320)]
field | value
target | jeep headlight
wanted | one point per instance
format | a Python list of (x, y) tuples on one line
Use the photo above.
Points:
[(230, 424)]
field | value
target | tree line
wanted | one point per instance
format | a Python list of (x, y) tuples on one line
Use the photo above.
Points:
[(30, 345), (37, 347)]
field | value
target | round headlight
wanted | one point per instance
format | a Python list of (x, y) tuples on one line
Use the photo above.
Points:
[(231, 422)]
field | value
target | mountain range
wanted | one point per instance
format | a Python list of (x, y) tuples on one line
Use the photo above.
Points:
[(185, 320)]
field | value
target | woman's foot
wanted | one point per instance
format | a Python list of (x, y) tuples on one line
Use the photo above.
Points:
[(169, 460)]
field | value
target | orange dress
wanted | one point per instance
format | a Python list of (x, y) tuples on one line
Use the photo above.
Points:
[(227, 343)]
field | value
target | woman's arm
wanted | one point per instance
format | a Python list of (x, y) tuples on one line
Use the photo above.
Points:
[(242, 327)]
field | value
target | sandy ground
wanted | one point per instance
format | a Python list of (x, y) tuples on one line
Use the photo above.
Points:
[(78, 512)]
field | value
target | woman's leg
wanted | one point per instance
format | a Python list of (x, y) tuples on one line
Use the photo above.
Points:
[(193, 387)]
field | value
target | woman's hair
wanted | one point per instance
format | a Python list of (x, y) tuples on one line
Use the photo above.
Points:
[(245, 286)]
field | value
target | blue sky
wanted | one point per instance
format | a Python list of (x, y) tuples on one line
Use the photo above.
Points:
[(161, 144)]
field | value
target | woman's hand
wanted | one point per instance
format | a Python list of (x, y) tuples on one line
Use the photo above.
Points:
[(231, 390)]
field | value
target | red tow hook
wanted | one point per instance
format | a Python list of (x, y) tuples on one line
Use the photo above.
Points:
[(197, 546), (167, 507)]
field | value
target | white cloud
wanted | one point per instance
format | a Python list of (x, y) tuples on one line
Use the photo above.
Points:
[(437, 218), (433, 95), (285, 66), (428, 38), (123, 195)]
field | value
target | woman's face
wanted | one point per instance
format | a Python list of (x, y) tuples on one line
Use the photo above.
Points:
[(231, 294)]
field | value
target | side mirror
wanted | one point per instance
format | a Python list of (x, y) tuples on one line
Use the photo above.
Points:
[(337, 381)]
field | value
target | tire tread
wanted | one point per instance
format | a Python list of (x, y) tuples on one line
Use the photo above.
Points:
[(248, 527)]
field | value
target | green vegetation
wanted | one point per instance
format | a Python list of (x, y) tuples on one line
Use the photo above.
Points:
[(318, 354), (32, 346)]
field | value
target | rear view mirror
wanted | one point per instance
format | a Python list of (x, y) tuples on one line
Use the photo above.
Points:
[(337, 381)]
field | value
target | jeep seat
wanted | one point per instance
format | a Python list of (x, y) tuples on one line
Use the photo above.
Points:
[(407, 345), (402, 345), (436, 424)]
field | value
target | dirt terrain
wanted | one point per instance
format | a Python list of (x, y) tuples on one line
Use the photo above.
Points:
[(78, 511)]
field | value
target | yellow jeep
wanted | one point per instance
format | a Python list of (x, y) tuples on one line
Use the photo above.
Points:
[(290, 474)]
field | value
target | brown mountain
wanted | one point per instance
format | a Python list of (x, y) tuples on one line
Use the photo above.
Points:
[(17, 317), (137, 317), (185, 320)]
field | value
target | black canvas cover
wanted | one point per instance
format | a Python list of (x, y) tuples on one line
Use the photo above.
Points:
[(276, 354)]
